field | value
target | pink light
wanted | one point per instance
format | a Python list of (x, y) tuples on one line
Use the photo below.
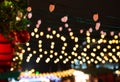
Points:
[(97, 26), (112, 33), (49, 29), (66, 25), (69, 29), (39, 22), (90, 29), (29, 15), (81, 31), (64, 19), (119, 34), (37, 25), (60, 28), (28, 25), (102, 32)]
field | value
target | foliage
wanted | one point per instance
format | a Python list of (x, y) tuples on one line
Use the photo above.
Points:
[(13, 16)]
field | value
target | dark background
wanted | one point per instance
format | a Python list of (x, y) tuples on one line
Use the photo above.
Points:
[(80, 14)]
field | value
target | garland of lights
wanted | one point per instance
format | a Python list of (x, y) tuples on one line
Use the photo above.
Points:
[(90, 50), (59, 74)]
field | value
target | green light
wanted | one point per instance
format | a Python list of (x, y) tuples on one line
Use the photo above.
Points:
[(37, 72)]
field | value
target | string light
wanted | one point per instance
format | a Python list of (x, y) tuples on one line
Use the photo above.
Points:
[(86, 52)]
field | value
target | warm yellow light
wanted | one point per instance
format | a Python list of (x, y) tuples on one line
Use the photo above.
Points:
[(118, 53), (54, 32), (76, 45), (72, 37), (74, 49), (84, 60), (41, 33), (87, 33), (104, 41), (71, 33), (65, 44), (51, 36), (65, 54), (40, 55), (102, 36), (51, 51), (100, 41), (110, 54), (93, 40), (45, 52), (76, 39), (55, 61), (79, 57), (62, 51), (27, 43), (34, 52), (63, 38), (113, 50), (106, 58), (98, 46), (47, 60), (39, 45), (52, 43), (116, 41), (58, 35), (96, 61), (69, 57), (94, 49), (27, 60), (113, 41), (81, 62), (11, 69), (110, 42), (40, 50), (51, 56), (72, 53), (37, 36), (32, 33), (60, 56), (110, 60), (63, 48), (87, 58), (55, 53), (88, 46), (52, 46), (37, 60), (28, 49), (115, 36), (35, 30), (64, 62), (99, 58), (103, 61), (75, 54), (47, 36), (109, 46), (118, 47), (93, 54), (88, 40), (92, 60), (84, 49), (104, 49), (88, 62)]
